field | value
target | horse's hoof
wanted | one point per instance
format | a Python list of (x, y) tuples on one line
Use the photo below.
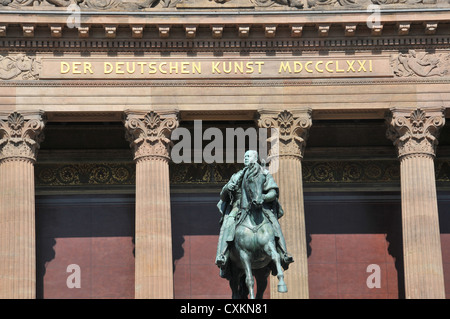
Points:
[(282, 288)]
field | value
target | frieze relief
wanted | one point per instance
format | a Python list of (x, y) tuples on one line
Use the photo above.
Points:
[(383, 3), (75, 174), (420, 64), (148, 5), (411, 64), (314, 173), (19, 67)]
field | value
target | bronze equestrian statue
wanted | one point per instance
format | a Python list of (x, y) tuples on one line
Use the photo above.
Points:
[(251, 242)]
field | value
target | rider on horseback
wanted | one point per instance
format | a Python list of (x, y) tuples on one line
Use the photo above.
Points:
[(233, 204)]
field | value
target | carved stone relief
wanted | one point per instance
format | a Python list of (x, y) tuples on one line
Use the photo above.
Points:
[(87, 5), (149, 134), (415, 132), (365, 3), (420, 64), (20, 136), (293, 130), (19, 67), (402, 65), (145, 5), (111, 5)]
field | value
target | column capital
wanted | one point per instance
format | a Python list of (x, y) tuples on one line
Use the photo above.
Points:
[(292, 130), (21, 133), (149, 132), (415, 131)]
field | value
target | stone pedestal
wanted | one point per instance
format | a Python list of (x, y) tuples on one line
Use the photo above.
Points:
[(20, 135), (149, 135), (286, 152), (415, 133)]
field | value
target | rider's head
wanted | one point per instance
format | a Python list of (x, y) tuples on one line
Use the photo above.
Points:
[(250, 156)]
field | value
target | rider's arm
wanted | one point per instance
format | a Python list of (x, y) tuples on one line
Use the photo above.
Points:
[(229, 187), (224, 193)]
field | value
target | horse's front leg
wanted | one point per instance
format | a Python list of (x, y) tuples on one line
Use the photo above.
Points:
[(271, 250), (249, 281)]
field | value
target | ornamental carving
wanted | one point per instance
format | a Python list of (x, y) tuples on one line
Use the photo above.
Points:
[(413, 64), (314, 173), (82, 174), (415, 132), (149, 133), (365, 3), (148, 5), (21, 135), (114, 5), (19, 67), (291, 130)]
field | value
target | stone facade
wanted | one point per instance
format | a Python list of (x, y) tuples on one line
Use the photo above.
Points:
[(154, 66)]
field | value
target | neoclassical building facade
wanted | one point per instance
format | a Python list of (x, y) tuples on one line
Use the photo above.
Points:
[(93, 204)]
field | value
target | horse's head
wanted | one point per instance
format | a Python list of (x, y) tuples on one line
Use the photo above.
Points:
[(254, 186)]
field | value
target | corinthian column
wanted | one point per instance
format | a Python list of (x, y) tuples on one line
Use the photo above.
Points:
[(415, 133), (286, 152), (20, 135), (149, 137)]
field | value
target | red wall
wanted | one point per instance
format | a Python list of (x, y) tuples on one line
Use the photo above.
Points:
[(93, 232), (195, 229), (338, 266), (346, 234)]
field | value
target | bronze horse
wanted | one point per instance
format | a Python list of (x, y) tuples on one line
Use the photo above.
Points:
[(254, 252)]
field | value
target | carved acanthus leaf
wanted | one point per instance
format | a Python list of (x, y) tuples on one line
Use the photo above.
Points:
[(289, 131), (415, 132), (149, 134), (21, 135)]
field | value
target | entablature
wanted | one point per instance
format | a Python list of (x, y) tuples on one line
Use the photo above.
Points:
[(221, 25)]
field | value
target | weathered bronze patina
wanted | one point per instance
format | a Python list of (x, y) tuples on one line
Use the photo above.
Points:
[(251, 242)]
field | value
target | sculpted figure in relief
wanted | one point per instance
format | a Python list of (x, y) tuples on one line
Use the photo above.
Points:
[(290, 3), (420, 64), (137, 5), (126, 5), (365, 3), (20, 66), (34, 3)]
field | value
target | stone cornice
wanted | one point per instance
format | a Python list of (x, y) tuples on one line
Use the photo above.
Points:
[(29, 24)]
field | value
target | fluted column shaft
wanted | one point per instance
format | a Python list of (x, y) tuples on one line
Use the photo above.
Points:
[(415, 134), (287, 143), (149, 135), (20, 135), (289, 179), (154, 278), (421, 236)]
